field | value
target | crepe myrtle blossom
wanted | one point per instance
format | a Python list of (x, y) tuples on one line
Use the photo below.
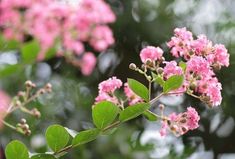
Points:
[(151, 53), (107, 88), (183, 45), (193, 74), (110, 85), (61, 24), (180, 44), (131, 96), (88, 63), (171, 69), (180, 123)]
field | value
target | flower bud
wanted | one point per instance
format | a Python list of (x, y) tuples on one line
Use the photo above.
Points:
[(216, 66), (28, 132), (149, 62), (193, 86), (25, 127), (42, 91), (161, 106), (48, 87), (17, 103), (23, 121), (132, 66), (21, 94), (28, 84), (160, 70), (36, 113)]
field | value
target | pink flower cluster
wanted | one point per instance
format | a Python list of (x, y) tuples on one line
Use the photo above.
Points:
[(108, 87), (181, 123), (60, 24), (183, 45), (4, 104), (201, 58), (151, 53)]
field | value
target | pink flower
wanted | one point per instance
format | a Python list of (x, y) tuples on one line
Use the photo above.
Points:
[(219, 56), (131, 96), (110, 85), (57, 24), (181, 123), (163, 130), (88, 63), (152, 53), (202, 46), (199, 66), (192, 118), (171, 68), (106, 97), (180, 44), (101, 38), (106, 90)]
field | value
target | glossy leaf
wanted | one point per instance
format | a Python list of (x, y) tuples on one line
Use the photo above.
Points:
[(57, 137), (139, 89), (85, 137), (7, 45), (16, 150), (30, 51), (173, 83), (10, 69), (133, 111), (104, 113)]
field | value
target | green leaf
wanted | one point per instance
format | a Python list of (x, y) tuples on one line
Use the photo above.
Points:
[(57, 137), (10, 69), (158, 79), (85, 137), (43, 156), (104, 113), (133, 111), (183, 65), (30, 51), (139, 89), (173, 83), (150, 116), (6, 45), (16, 150)]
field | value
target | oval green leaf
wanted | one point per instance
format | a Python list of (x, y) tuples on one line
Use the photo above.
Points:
[(173, 83), (30, 51), (16, 148), (104, 113), (57, 137), (133, 111), (85, 137), (43, 156), (138, 88)]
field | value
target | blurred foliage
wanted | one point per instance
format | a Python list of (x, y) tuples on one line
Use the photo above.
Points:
[(139, 23)]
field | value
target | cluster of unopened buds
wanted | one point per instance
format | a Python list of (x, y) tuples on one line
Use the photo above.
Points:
[(197, 59), (20, 102), (63, 25)]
